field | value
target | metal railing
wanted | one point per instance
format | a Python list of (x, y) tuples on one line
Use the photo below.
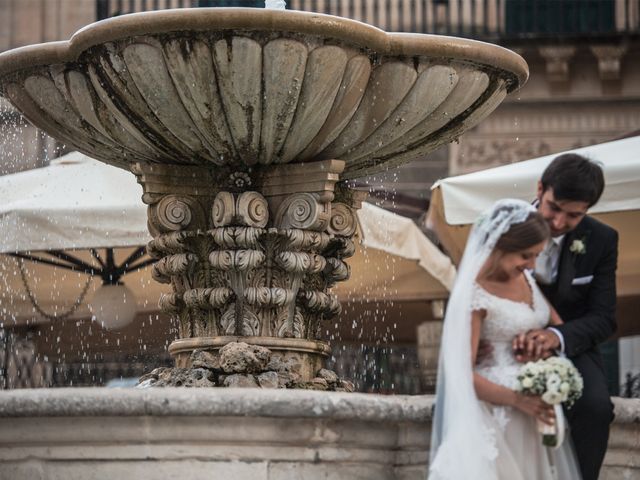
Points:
[(100, 374), (493, 20)]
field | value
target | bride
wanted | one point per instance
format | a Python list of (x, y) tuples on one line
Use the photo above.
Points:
[(483, 429)]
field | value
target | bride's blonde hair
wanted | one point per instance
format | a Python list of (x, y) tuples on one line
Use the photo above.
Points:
[(523, 235)]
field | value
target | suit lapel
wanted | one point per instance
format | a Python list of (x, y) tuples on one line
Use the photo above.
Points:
[(567, 265)]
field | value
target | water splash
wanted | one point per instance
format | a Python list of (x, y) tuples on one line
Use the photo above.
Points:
[(275, 4)]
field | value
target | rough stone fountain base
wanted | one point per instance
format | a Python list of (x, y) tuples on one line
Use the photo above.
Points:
[(300, 357), (242, 364)]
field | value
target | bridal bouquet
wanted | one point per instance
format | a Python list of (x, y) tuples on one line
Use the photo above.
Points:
[(557, 381)]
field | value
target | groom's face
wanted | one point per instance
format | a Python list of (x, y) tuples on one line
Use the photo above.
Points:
[(561, 215)]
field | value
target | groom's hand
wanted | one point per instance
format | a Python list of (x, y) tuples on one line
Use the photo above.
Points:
[(485, 351), (534, 345), (541, 343)]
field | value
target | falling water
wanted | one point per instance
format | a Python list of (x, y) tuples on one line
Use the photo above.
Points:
[(275, 4)]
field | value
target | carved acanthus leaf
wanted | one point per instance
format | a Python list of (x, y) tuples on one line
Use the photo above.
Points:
[(298, 324), (337, 270), (281, 279), (237, 237), (250, 324), (171, 303), (268, 297), (228, 321), (290, 327), (174, 242), (305, 240), (301, 262), (320, 302), (340, 247), (173, 265), (236, 259), (208, 298)]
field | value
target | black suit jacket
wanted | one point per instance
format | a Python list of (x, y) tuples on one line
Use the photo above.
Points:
[(585, 290)]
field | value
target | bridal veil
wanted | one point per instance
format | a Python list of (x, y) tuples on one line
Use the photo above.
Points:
[(463, 444)]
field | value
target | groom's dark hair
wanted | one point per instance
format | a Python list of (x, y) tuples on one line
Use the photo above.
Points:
[(575, 178)]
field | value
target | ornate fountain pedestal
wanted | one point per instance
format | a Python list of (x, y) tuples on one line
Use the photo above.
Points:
[(251, 255)]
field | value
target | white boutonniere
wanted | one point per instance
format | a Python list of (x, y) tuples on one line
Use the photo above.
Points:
[(578, 247)]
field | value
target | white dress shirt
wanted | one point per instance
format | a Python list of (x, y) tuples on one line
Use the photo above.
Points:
[(546, 271)]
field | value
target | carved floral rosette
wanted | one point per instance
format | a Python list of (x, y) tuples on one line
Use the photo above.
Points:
[(249, 254)]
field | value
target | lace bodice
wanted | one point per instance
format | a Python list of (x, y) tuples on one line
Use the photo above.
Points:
[(504, 320)]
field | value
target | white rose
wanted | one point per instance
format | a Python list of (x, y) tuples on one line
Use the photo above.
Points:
[(552, 398), (527, 382), (578, 247), (565, 387), (554, 381)]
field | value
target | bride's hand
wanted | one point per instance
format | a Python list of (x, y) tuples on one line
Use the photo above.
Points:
[(519, 347), (535, 407)]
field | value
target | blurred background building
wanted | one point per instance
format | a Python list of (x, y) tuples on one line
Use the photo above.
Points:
[(584, 88)]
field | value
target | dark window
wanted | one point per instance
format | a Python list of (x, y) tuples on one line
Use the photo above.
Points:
[(231, 3), (549, 17)]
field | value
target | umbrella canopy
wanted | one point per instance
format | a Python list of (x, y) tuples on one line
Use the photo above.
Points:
[(466, 196), (457, 201), (395, 261), (77, 204)]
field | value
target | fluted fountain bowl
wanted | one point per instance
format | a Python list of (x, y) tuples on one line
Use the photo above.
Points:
[(250, 87)]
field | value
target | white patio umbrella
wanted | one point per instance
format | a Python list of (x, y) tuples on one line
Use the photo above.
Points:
[(464, 197), (77, 205), (457, 201), (75, 202), (59, 216)]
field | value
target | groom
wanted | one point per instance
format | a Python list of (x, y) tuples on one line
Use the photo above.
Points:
[(576, 272)]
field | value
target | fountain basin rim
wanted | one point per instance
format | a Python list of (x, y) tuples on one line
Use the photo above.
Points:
[(181, 401), (202, 19), (272, 343), (245, 402)]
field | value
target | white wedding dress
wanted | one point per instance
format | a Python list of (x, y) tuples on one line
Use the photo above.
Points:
[(471, 439), (520, 453)]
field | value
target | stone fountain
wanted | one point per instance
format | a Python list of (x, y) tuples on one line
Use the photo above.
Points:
[(243, 126)]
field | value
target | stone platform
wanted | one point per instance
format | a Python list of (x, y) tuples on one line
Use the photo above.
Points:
[(198, 433), (97, 433)]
